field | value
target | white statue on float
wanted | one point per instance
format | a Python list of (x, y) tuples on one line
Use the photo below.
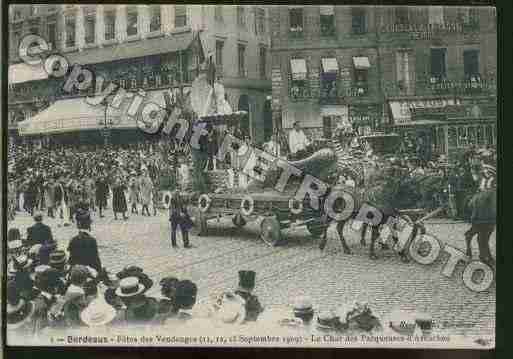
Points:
[(208, 100)]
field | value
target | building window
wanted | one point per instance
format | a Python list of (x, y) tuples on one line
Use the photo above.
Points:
[(180, 15), (219, 56), (155, 23), (110, 24), (436, 14), (361, 71), (33, 10), (328, 76), (403, 71), (17, 14), (260, 21), (263, 61), (296, 21), (327, 19), (327, 126), (359, 25), (218, 13), (90, 25), (131, 21), (401, 15), (241, 16), (471, 65), (70, 31), (438, 65), (242, 57), (299, 88), (470, 18)]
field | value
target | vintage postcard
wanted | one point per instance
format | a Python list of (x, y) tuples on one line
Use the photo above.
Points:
[(250, 175)]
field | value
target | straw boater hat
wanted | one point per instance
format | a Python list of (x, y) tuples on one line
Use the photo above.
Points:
[(38, 271), (57, 258), (98, 313), (230, 308), (22, 262), (303, 306), (129, 287)]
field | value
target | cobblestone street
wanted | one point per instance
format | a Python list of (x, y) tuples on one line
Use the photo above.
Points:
[(331, 277)]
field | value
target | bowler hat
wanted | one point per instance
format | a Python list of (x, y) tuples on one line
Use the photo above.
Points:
[(247, 279)]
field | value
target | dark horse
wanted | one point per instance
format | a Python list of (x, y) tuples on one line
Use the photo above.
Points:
[(369, 197), (390, 189)]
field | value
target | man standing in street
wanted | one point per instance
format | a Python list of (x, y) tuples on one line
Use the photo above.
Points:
[(178, 216), (82, 248), (298, 142), (102, 190)]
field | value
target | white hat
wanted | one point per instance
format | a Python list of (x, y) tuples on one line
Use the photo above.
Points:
[(129, 287), (97, 313), (13, 245), (231, 308)]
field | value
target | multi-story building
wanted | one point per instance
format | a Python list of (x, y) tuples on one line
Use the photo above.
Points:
[(154, 48), (430, 70)]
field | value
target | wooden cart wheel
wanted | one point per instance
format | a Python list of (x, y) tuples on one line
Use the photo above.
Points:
[(270, 231), (316, 229)]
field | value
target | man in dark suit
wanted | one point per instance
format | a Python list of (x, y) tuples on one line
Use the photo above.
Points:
[(178, 216), (245, 290), (39, 233), (82, 248)]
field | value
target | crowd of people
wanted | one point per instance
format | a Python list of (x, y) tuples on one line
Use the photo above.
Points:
[(51, 288), (57, 180)]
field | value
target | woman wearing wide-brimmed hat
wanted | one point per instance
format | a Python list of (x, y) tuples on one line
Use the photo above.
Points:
[(139, 307), (20, 270)]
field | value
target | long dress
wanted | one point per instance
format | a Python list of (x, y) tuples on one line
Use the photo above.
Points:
[(119, 199), (146, 191)]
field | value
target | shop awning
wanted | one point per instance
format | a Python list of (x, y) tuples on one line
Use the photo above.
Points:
[(19, 73), (361, 63), (298, 67), (329, 64), (128, 50), (77, 114)]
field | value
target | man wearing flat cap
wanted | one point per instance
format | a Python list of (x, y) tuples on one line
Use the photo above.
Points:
[(245, 289), (83, 248)]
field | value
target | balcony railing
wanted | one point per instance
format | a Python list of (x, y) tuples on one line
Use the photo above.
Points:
[(297, 93)]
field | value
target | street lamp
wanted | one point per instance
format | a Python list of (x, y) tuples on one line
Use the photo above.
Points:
[(106, 124)]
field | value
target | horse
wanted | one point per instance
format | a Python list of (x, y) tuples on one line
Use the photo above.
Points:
[(378, 195)]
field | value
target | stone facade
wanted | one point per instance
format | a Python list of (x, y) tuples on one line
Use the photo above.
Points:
[(252, 85), (382, 35)]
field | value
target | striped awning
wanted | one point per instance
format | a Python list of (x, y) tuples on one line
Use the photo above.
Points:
[(361, 63), (330, 64), (327, 10), (298, 67)]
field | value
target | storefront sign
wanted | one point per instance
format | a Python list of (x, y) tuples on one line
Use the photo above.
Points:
[(402, 110)]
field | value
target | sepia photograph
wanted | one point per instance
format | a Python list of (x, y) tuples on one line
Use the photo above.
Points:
[(313, 176)]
